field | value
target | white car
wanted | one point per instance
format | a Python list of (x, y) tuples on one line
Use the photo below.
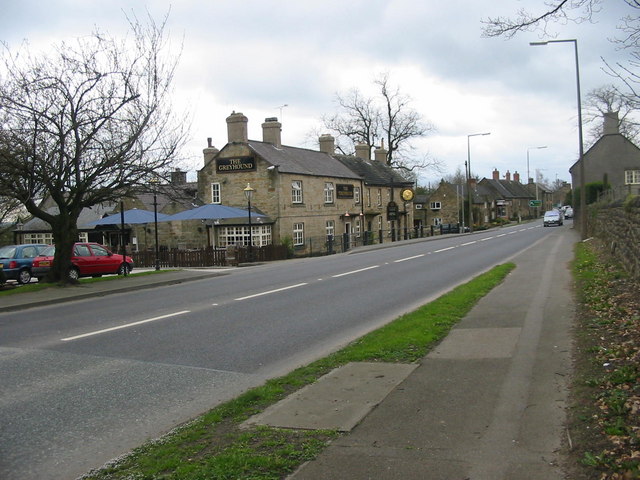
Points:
[(552, 217), (568, 212)]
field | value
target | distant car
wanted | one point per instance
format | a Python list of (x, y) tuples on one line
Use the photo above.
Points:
[(17, 260), (568, 212), (87, 260), (552, 217)]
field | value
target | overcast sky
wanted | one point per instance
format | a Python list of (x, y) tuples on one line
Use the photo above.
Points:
[(255, 56)]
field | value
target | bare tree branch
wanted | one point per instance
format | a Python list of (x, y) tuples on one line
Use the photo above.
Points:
[(87, 124)]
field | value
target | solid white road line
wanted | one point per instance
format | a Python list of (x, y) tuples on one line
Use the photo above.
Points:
[(444, 249), (271, 291), (408, 258), (98, 332), (354, 271)]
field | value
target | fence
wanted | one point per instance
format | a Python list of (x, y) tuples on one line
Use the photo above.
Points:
[(209, 257), (314, 246), (328, 245)]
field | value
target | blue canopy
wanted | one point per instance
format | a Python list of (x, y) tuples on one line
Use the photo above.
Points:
[(213, 211), (133, 216)]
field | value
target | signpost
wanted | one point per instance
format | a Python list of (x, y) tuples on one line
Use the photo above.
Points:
[(535, 203)]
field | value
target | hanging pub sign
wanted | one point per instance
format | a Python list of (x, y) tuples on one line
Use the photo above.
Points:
[(392, 211), (239, 164), (344, 190)]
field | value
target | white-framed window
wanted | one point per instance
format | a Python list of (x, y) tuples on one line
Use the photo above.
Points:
[(239, 235), (357, 232), (296, 191), (216, 193), (380, 222), (368, 197), (437, 221), (38, 238), (328, 192), (298, 233), (379, 197), (632, 177), (356, 195), (418, 206), (435, 205), (330, 227)]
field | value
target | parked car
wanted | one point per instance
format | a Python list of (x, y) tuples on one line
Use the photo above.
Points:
[(552, 217), (17, 260), (3, 279), (87, 260), (568, 212)]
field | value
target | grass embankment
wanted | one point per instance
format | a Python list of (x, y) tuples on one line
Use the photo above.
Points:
[(604, 420), (214, 447)]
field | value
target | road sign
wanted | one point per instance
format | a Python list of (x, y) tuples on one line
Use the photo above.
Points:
[(535, 203)]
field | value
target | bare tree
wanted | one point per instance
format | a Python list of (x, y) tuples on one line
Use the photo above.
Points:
[(386, 120), (606, 100), (86, 124), (553, 11)]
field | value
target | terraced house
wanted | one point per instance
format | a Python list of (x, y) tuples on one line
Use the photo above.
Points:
[(307, 195)]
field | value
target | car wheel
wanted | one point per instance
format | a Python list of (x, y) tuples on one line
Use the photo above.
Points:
[(74, 274), (24, 276), (125, 269)]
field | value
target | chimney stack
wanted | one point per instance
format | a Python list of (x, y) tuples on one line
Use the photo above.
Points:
[(178, 177), (611, 124), (271, 132), (507, 175), (327, 144), (363, 152), (516, 177), (210, 152), (237, 128), (496, 174), (380, 154)]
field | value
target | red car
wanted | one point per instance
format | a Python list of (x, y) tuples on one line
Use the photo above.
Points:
[(88, 260)]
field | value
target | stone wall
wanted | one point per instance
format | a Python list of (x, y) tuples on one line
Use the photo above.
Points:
[(618, 225)]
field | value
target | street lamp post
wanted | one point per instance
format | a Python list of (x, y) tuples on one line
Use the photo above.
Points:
[(528, 177), (154, 182), (583, 197), (248, 193), (468, 171), (528, 150)]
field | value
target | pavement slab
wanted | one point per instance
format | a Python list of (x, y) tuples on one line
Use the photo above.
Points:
[(337, 401)]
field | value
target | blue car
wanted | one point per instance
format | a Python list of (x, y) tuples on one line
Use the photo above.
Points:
[(16, 260)]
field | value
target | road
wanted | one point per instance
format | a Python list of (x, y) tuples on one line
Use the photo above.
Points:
[(85, 381)]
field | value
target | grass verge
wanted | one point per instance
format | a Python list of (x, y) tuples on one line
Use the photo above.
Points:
[(603, 419), (214, 447)]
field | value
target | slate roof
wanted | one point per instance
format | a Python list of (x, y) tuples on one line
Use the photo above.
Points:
[(507, 188), (373, 172), (301, 161)]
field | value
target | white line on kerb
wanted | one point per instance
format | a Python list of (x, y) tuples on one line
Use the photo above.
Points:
[(408, 258), (354, 271), (444, 249), (98, 332), (271, 291)]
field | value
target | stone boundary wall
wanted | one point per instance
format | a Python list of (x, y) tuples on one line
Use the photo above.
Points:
[(619, 227)]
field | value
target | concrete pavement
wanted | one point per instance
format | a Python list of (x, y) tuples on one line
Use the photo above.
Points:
[(489, 402)]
